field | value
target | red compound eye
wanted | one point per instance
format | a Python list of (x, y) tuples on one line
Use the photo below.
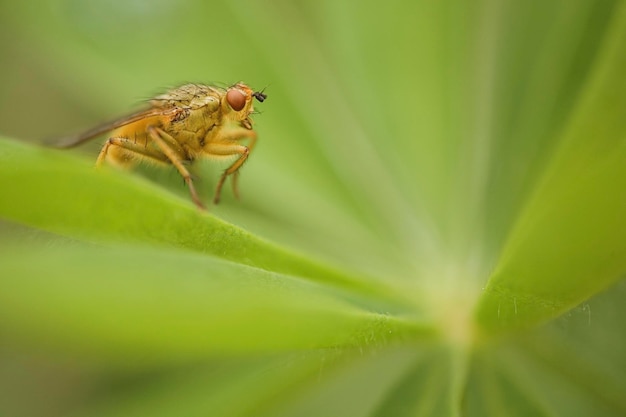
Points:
[(236, 99)]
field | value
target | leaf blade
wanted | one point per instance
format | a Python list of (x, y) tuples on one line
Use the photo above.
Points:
[(162, 305), (65, 195), (569, 242)]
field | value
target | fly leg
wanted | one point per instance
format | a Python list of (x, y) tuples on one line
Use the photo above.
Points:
[(176, 157), (225, 146)]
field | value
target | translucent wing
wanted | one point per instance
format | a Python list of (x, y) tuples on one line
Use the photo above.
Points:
[(76, 140)]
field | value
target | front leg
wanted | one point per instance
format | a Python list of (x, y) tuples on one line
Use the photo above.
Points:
[(224, 145)]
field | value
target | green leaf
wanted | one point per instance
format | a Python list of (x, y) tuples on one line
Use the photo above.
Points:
[(574, 366), (218, 386), (568, 243), (431, 375), (133, 304), (63, 194), (352, 388)]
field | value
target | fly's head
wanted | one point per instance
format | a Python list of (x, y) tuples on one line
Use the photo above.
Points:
[(237, 104)]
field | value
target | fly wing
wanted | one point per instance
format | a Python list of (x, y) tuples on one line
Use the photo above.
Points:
[(71, 141)]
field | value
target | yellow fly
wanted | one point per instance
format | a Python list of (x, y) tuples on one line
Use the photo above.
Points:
[(184, 124)]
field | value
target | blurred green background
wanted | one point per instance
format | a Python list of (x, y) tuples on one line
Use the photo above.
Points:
[(400, 140)]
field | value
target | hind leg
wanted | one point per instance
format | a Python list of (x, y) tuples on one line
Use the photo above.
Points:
[(131, 149)]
